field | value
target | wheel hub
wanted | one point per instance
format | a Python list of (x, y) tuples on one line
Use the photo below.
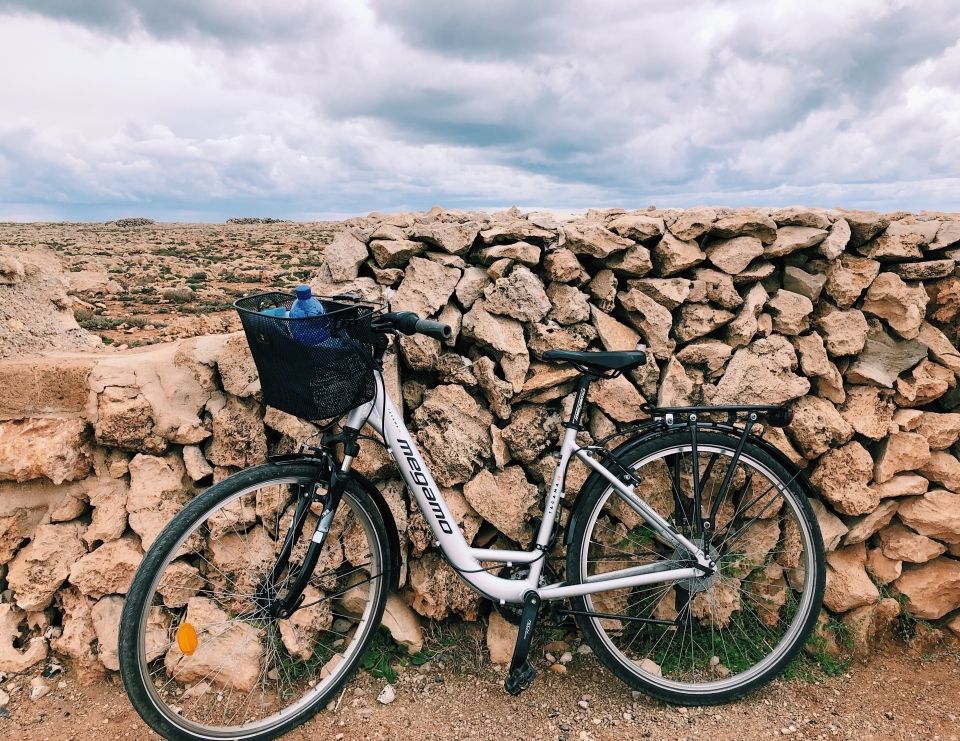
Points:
[(697, 584)]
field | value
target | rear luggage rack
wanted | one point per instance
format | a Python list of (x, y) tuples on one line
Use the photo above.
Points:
[(775, 415)]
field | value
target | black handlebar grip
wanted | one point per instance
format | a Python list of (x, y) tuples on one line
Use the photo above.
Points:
[(437, 330)]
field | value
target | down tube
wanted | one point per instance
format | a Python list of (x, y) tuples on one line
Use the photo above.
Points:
[(387, 420)]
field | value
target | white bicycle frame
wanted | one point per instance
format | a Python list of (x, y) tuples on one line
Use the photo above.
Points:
[(382, 415)]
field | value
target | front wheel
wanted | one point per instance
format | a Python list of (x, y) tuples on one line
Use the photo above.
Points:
[(711, 639), (203, 654)]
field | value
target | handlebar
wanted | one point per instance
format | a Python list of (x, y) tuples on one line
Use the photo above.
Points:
[(407, 322)]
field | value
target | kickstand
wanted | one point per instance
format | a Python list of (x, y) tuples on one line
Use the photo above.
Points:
[(522, 674)]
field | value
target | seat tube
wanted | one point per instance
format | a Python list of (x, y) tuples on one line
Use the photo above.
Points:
[(577, 412)]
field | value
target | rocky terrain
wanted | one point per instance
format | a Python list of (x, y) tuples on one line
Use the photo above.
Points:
[(853, 317)]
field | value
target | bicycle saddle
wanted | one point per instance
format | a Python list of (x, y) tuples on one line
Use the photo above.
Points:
[(620, 360)]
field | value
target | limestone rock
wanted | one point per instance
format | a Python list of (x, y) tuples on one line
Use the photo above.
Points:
[(881, 568), (593, 240), (344, 256), (105, 615), (107, 570), (403, 624), (941, 349), (830, 386), (109, 519), (790, 239), (883, 358), (791, 312), (157, 493), (505, 499), (849, 277), (603, 290), (947, 235), (799, 216), (836, 241), (832, 528), (865, 626), (421, 353), (55, 449), (394, 253), (848, 585), (16, 660), (842, 476), (672, 255), (804, 283), (668, 292), (864, 225), (927, 382), (744, 327), (862, 528), (613, 334), (901, 451), (817, 426), (618, 399), (551, 336), (932, 589), (676, 387), (844, 332), (425, 288), (762, 374), (745, 223), (78, 639), (716, 287), (902, 485), (195, 464), (936, 514), (497, 391), (455, 238), (813, 354), (437, 592), (570, 306), (639, 227), (519, 295), (223, 637), (38, 570), (531, 430), (941, 430), (901, 306), (453, 432), (504, 336), (901, 239), (734, 255), (522, 252), (238, 373), (698, 320), (634, 261), (562, 266), (943, 468), (868, 411), (693, 223), (471, 285), (238, 435), (501, 638), (651, 319), (926, 270), (712, 354)]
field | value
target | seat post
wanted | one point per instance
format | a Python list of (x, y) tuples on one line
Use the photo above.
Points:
[(576, 413)]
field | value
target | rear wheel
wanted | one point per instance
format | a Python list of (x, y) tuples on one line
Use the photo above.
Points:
[(202, 658), (711, 639)]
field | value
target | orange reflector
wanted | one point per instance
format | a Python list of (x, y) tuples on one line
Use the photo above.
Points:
[(187, 638)]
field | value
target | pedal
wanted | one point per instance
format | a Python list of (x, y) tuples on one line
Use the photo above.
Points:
[(521, 673), (520, 678)]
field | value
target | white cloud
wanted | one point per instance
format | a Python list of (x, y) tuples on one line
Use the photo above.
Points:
[(213, 109)]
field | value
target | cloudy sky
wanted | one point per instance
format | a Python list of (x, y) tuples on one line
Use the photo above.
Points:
[(205, 109)]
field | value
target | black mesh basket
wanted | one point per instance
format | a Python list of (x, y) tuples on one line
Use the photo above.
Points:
[(311, 367)]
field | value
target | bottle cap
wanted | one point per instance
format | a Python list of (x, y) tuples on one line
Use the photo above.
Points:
[(303, 292)]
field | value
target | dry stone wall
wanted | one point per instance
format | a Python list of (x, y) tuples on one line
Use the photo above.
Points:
[(853, 317)]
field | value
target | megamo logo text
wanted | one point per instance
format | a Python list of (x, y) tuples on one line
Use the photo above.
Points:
[(420, 479)]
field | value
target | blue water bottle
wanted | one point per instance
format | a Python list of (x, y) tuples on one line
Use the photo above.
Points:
[(308, 332)]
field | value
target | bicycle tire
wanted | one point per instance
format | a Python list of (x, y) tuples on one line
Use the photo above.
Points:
[(168, 546), (642, 676)]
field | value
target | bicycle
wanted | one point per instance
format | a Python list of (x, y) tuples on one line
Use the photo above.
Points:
[(694, 565)]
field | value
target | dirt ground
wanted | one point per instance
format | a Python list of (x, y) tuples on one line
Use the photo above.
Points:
[(896, 695)]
